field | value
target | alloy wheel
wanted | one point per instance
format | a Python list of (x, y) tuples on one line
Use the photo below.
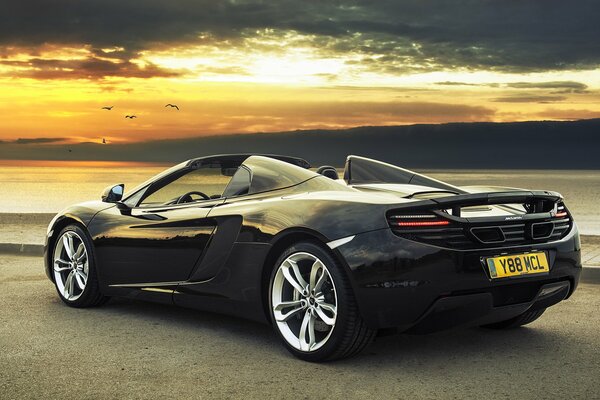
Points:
[(304, 301), (70, 265)]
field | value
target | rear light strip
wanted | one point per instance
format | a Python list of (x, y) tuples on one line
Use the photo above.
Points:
[(416, 220), (421, 223)]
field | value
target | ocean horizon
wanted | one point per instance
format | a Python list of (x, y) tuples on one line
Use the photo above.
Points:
[(50, 186)]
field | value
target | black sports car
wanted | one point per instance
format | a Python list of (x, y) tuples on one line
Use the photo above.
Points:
[(327, 261)]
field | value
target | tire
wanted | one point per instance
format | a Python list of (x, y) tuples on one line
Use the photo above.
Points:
[(520, 320), (330, 311), (74, 269)]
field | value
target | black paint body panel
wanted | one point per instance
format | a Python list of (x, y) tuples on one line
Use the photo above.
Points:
[(215, 254)]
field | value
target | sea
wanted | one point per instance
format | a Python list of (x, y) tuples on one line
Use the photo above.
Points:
[(50, 186)]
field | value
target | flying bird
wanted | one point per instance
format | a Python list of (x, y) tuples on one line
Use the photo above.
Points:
[(107, 108), (130, 116), (103, 141), (172, 106), (70, 151)]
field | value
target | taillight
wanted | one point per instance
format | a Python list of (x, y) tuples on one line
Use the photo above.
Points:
[(417, 220), (560, 211)]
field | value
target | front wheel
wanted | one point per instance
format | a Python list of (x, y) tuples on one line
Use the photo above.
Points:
[(74, 269), (312, 305)]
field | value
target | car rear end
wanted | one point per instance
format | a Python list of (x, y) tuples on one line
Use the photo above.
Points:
[(468, 259)]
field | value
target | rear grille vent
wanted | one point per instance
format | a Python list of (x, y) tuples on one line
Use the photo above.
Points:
[(541, 230), (466, 236), (489, 234)]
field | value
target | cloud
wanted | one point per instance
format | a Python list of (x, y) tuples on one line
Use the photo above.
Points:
[(572, 114), (381, 36), (38, 140), (88, 68), (562, 86), (377, 88), (529, 98), (452, 83)]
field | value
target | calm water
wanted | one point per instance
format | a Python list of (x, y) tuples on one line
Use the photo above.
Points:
[(37, 188)]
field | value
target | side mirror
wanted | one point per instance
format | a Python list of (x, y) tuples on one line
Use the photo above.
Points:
[(113, 194)]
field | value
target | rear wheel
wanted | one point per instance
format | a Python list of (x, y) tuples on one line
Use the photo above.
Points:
[(312, 305), (74, 269), (520, 320)]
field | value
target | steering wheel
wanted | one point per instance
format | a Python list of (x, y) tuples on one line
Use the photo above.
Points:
[(186, 198)]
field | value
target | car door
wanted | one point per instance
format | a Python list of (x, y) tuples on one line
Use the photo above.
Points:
[(158, 240)]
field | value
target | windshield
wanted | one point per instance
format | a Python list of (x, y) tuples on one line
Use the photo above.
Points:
[(154, 178)]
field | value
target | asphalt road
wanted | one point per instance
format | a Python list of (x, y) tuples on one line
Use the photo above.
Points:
[(129, 349)]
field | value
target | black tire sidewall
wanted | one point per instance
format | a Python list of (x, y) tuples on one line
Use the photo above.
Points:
[(343, 291)]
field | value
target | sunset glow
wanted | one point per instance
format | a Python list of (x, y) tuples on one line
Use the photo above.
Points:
[(241, 77)]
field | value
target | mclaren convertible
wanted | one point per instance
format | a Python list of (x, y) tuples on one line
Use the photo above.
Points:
[(327, 261)]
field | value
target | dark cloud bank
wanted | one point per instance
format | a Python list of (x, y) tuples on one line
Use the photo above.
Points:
[(390, 35), (518, 145)]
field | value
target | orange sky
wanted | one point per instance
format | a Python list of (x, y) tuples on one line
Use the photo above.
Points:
[(275, 78)]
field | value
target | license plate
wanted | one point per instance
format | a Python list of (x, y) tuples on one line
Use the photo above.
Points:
[(517, 265)]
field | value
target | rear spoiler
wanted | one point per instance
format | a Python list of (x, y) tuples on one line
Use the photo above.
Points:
[(536, 201)]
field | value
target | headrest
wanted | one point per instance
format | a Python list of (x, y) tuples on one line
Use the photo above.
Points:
[(328, 171)]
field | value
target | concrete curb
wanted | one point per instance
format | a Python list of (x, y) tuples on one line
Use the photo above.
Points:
[(590, 274), (22, 249), (26, 218)]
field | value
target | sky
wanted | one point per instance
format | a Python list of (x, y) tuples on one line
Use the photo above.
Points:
[(242, 66)]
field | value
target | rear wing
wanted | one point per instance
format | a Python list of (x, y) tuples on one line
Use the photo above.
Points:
[(537, 204), (535, 217), (534, 201)]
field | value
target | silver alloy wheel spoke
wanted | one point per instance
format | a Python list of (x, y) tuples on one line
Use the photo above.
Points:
[(317, 287), (314, 271), (329, 307), (81, 279), (281, 316), (79, 253), (299, 284), (304, 312), (68, 245), (308, 326), (297, 274), (57, 266), (323, 316), (82, 258), (68, 292), (60, 269)]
